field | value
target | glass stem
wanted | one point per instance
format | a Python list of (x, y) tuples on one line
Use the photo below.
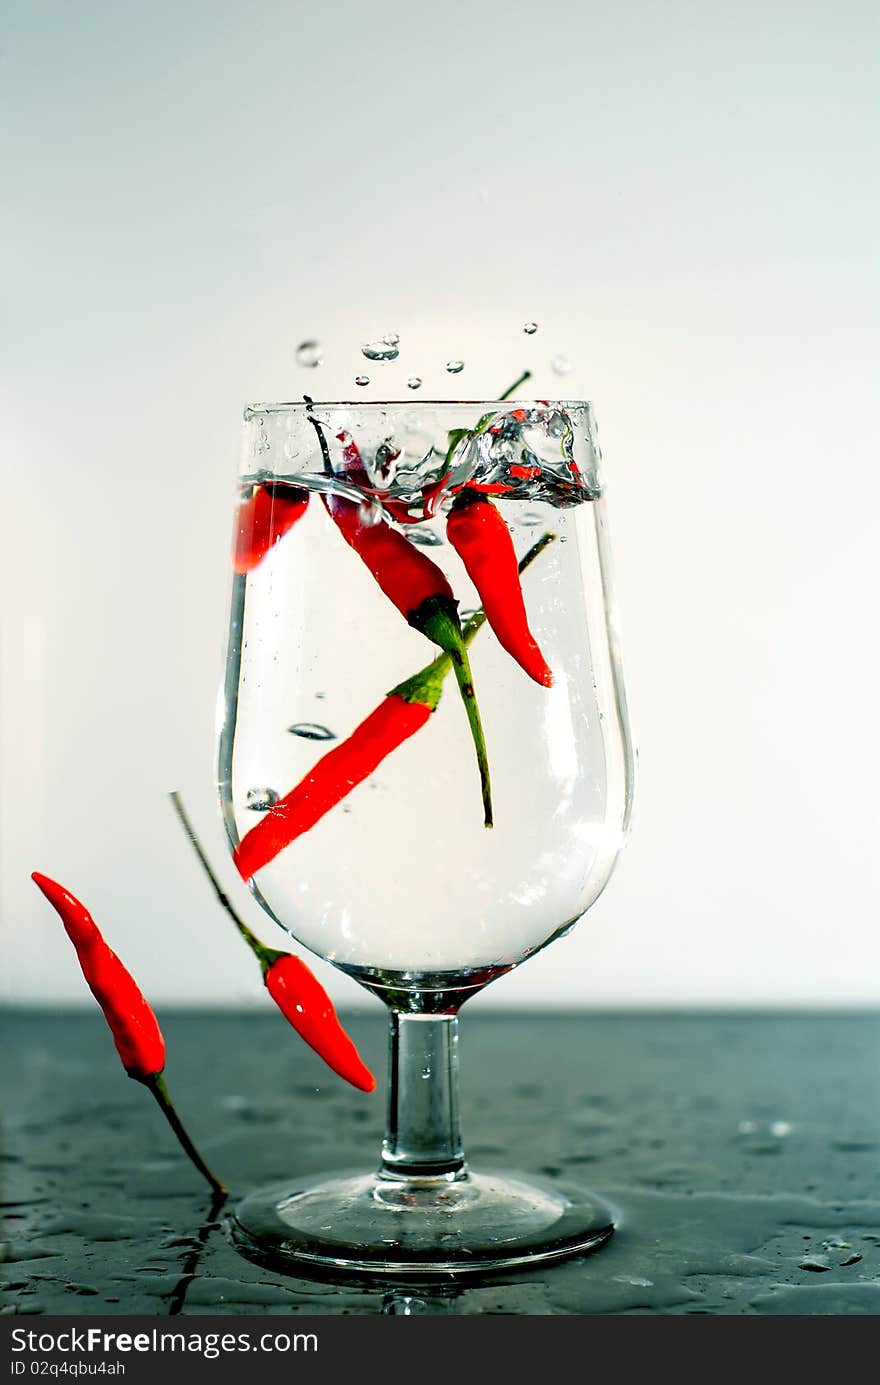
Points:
[(422, 1138)]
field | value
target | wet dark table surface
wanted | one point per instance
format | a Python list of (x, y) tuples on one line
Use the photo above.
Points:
[(740, 1151)]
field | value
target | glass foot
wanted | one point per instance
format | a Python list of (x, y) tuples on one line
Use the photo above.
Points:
[(374, 1225)]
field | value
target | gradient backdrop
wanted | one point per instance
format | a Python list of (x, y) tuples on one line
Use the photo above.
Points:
[(685, 196)]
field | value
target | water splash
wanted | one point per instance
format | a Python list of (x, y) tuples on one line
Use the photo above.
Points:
[(383, 349), (309, 354), (312, 731)]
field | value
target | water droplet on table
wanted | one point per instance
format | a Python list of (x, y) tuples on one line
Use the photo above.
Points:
[(362, 379), (414, 382), (260, 800), (384, 349), (560, 365), (455, 367), (309, 354), (530, 328), (312, 731)]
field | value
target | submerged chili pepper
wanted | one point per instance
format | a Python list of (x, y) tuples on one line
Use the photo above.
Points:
[(332, 779), (263, 519), (132, 1021), (419, 590), (403, 712), (482, 540), (298, 994)]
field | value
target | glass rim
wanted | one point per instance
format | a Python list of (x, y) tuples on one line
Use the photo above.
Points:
[(300, 407)]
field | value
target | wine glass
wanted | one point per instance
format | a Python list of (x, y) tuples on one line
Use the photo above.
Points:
[(365, 536)]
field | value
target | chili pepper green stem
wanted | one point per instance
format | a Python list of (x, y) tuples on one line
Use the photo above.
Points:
[(511, 389), (156, 1084), (441, 626), (265, 955)]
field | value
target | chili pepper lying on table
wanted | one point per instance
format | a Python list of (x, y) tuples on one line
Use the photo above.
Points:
[(132, 1022), (298, 994), (416, 586), (264, 518), (403, 712), (482, 540)]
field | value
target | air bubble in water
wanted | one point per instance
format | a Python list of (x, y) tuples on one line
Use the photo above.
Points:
[(414, 382), (309, 354), (560, 365), (383, 349), (312, 731), (362, 379), (529, 519), (455, 367), (530, 328), (423, 538), (260, 800)]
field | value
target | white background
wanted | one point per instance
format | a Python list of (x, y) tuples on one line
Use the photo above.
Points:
[(685, 197)]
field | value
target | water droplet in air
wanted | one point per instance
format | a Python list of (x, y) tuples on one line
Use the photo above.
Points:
[(455, 367), (362, 379), (560, 365), (530, 328), (309, 354), (779, 1129), (414, 382), (260, 800), (312, 731), (384, 349), (423, 538)]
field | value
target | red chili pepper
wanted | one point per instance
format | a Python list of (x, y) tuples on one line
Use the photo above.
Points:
[(298, 994), (490, 487), (263, 519), (421, 593), (132, 1021), (133, 1024), (480, 536), (331, 780), (303, 1001), (403, 712)]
